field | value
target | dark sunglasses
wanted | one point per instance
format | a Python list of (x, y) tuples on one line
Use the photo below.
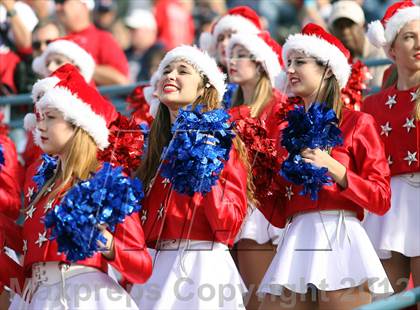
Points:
[(59, 1), (36, 45)]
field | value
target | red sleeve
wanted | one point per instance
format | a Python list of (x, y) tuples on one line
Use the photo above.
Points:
[(9, 180), (369, 186), (10, 271), (225, 206), (10, 236), (132, 258), (112, 55)]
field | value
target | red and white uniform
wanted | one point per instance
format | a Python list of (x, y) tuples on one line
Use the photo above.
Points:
[(9, 208), (191, 236), (132, 260), (9, 179), (324, 242), (255, 226), (398, 230)]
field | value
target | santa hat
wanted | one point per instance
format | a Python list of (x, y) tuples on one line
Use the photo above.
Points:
[(265, 50), (241, 19), (200, 60), (149, 95), (382, 33), (316, 42), (81, 105), (68, 47)]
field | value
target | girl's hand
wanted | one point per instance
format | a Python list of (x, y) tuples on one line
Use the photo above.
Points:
[(108, 251), (320, 158)]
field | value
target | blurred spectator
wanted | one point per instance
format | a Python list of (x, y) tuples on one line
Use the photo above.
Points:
[(316, 11), (249, 3), (282, 17), (112, 65), (204, 16), (175, 22), (347, 22), (143, 32), (375, 9), (44, 9), (105, 17), (63, 51), (45, 32), (17, 20)]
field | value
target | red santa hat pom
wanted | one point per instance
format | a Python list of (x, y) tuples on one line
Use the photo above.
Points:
[(240, 19), (382, 33), (265, 50), (200, 60), (81, 104), (68, 47), (316, 42)]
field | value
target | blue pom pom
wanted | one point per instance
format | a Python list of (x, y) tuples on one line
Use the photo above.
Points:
[(45, 171), (106, 198), (196, 154), (1, 156), (295, 170), (316, 128), (227, 97), (144, 128)]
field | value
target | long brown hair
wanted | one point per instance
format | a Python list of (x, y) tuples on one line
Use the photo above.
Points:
[(262, 95), (330, 93), (160, 136)]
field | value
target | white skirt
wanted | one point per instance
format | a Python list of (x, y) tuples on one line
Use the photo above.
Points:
[(201, 275), (91, 290), (257, 228), (399, 229), (326, 249)]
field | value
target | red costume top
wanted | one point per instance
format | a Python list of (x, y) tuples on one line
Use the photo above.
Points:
[(9, 179), (215, 216), (368, 175), (103, 48), (132, 259), (400, 132)]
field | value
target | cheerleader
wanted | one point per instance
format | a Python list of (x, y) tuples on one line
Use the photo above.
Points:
[(396, 109), (9, 205), (193, 268), (9, 172), (57, 53), (254, 64), (71, 123), (325, 258), (240, 19)]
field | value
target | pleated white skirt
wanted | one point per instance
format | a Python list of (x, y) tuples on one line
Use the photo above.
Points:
[(399, 229), (327, 249), (199, 275), (256, 227)]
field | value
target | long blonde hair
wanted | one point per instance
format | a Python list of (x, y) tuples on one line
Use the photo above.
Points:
[(416, 110), (261, 96), (78, 163), (160, 135)]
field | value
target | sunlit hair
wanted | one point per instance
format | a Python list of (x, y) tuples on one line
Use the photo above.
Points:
[(160, 136), (78, 163), (262, 95), (330, 92)]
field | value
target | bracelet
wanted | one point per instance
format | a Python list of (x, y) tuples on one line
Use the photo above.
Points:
[(11, 13)]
